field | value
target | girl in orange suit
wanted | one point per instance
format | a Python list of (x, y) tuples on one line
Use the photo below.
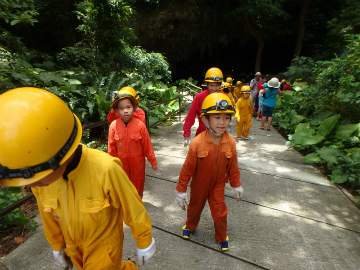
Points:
[(129, 139)]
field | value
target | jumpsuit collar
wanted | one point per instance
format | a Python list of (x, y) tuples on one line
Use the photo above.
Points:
[(74, 163)]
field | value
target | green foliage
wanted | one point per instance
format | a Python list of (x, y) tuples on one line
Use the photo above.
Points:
[(18, 11), (8, 196), (326, 116), (301, 70)]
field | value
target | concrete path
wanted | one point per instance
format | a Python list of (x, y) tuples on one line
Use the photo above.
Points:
[(291, 217)]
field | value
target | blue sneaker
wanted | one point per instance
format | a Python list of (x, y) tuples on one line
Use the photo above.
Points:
[(186, 233), (224, 246)]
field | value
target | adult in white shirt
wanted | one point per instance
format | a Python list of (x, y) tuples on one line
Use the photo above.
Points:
[(254, 90)]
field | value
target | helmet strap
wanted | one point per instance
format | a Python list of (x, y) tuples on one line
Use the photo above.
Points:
[(210, 129)]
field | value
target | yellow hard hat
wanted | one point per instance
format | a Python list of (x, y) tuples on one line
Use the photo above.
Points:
[(225, 85), (217, 103), (214, 75), (125, 92), (238, 82), (229, 79), (38, 134), (283, 81), (245, 89)]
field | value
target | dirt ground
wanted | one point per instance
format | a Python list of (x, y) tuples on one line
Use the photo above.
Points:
[(14, 236)]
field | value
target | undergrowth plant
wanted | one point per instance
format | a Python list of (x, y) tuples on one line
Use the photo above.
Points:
[(322, 120)]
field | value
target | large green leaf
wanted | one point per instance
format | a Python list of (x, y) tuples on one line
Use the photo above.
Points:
[(339, 176), (330, 155), (344, 132), (295, 118), (320, 117), (327, 125), (304, 135), (312, 158)]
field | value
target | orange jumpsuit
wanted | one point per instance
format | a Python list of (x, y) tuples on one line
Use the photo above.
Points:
[(209, 166), (85, 213), (131, 143), (139, 114), (243, 113)]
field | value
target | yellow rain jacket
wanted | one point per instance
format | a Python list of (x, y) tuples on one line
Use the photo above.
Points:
[(243, 114), (85, 214)]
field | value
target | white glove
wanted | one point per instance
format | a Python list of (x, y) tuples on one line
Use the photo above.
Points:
[(182, 200), (63, 259), (146, 253), (187, 141), (239, 192)]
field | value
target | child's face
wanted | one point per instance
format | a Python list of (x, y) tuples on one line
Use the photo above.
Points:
[(213, 87), (125, 109), (264, 80), (219, 122), (245, 95)]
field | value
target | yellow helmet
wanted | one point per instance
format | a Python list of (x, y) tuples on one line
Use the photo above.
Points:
[(283, 81), (238, 82), (217, 103), (229, 79), (225, 85), (245, 89), (38, 134), (125, 92), (214, 75)]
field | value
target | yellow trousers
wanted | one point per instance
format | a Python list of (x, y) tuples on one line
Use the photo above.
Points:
[(243, 127)]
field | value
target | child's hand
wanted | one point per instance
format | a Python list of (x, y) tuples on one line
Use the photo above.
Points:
[(155, 168)]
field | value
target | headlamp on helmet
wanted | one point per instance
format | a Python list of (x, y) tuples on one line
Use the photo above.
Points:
[(221, 105)]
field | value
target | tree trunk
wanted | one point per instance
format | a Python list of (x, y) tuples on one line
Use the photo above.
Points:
[(260, 41), (301, 29)]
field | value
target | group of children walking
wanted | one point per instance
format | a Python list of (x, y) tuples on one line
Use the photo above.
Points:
[(84, 195)]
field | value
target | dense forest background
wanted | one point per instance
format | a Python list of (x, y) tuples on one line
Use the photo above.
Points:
[(238, 36)]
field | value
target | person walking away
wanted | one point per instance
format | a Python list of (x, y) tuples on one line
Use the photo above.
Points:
[(210, 162), (225, 88), (269, 101), (260, 88), (83, 194), (254, 91), (139, 113), (264, 86), (213, 80), (237, 90), (243, 113), (129, 139)]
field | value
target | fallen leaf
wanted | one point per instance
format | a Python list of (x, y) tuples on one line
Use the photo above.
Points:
[(309, 222), (19, 240)]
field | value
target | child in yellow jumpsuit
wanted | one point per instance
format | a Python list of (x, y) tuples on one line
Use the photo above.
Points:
[(210, 163), (83, 194), (225, 88), (243, 113)]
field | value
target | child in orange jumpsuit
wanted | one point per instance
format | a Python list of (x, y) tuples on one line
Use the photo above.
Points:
[(83, 194), (243, 113), (129, 139), (210, 162), (139, 113)]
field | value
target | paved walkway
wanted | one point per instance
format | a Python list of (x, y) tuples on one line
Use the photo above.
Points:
[(291, 217)]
